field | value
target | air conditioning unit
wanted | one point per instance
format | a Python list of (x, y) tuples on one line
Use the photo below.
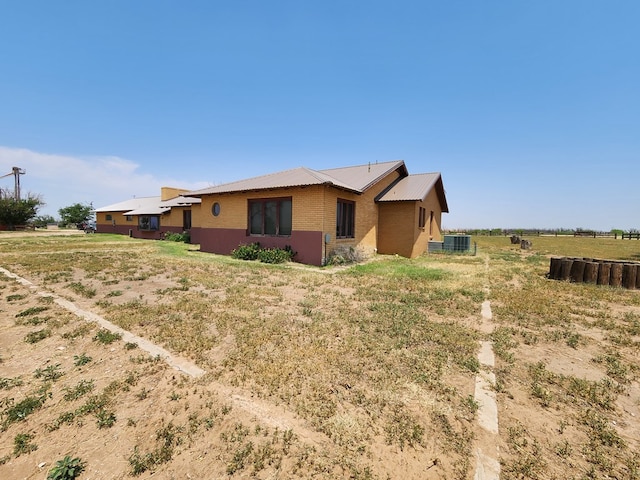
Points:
[(457, 243)]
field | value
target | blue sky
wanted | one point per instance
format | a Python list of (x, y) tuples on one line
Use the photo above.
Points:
[(530, 110)]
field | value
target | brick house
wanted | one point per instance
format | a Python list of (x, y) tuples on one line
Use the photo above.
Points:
[(375, 208), (148, 217)]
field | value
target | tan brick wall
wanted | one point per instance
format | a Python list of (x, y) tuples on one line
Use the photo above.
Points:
[(366, 229), (167, 193), (431, 203), (399, 231), (398, 228), (307, 204), (175, 218), (101, 219)]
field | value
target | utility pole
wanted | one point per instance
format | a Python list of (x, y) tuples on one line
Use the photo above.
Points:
[(16, 172)]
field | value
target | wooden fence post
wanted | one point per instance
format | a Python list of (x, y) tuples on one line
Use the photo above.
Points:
[(629, 273), (604, 273), (577, 271), (591, 272), (616, 275), (565, 269), (555, 268)]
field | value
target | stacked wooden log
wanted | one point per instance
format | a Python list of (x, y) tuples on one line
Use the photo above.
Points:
[(624, 274)]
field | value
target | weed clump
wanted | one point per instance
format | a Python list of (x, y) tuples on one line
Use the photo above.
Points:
[(67, 469), (106, 337)]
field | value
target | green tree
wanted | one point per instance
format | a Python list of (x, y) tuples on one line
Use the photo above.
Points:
[(19, 212), (75, 214), (41, 221)]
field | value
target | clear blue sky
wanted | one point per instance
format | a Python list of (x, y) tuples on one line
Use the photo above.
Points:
[(529, 109)]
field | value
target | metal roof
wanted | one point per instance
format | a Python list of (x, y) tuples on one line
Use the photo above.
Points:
[(415, 188), (148, 205), (361, 177), (356, 179), (131, 204), (150, 210), (181, 201)]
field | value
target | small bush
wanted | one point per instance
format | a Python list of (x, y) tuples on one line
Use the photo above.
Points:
[(106, 337), (82, 359), (20, 411), (247, 252), (38, 335), (49, 374), (275, 255), (266, 255), (22, 444), (31, 311), (66, 469), (178, 237)]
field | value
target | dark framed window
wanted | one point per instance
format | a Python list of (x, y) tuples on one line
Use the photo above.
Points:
[(345, 219), (107, 217), (186, 219), (128, 218), (422, 217), (270, 216), (149, 222)]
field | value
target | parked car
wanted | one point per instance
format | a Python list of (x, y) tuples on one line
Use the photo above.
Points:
[(89, 226)]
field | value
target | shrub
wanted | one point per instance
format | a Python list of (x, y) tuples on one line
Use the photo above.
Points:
[(106, 337), (178, 237), (275, 255), (265, 255), (247, 252), (66, 469)]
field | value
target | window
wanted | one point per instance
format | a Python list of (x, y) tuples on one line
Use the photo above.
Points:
[(149, 222), (128, 218), (186, 219), (270, 216), (345, 219), (422, 217), (107, 217)]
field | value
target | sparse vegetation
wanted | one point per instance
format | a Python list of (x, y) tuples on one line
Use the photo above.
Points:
[(67, 469), (107, 337), (372, 361)]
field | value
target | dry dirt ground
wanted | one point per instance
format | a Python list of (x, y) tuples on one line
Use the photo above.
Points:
[(178, 426), (155, 403)]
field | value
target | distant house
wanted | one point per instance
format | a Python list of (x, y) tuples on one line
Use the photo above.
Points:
[(375, 207), (148, 217)]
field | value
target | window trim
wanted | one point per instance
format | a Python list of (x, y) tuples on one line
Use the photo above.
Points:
[(345, 220), (263, 202)]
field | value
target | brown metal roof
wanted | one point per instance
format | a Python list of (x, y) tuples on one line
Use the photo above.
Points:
[(356, 179), (361, 177), (415, 188)]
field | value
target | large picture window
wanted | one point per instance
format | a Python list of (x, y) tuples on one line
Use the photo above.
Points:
[(345, 219), (270, 216), (149, 222)]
